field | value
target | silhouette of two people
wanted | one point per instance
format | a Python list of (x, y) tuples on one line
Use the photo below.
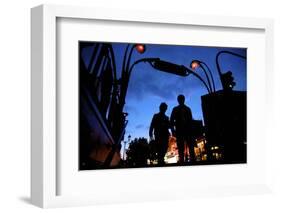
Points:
[(180, 124)]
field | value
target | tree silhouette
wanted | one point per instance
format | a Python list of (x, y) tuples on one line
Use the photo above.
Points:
[(138, 152)]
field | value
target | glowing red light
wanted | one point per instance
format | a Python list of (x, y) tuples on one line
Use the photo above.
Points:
[(140, 48), (194, 65)]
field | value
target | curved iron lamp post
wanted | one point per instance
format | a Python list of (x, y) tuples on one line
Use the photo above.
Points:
[(196, 64), (218, 65), (125, 76), (122, 91)]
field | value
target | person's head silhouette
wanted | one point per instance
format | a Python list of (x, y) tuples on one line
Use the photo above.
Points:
[(163, 107), (181, 99)]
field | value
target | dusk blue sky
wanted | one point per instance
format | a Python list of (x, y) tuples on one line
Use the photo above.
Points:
[(149, 87)]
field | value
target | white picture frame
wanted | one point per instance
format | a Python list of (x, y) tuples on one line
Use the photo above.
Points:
[(44, 153)]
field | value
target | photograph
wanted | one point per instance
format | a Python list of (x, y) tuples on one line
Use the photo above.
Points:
[(159, 105)]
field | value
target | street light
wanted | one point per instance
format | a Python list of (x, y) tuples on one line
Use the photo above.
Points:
[(225, 78), (199, 64), (140, 48), (180, 70), (194, 64)]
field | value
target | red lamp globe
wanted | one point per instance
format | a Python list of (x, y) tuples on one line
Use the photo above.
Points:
[(140, 48), (194, 65)]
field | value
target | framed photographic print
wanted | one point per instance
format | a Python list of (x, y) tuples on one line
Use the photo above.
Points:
[(147, 103), (123, 97)]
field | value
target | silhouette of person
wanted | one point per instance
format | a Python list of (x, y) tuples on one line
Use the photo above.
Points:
[(181, 121), (159, 127)]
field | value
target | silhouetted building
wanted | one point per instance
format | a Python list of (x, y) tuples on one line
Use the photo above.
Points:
[(225, 119), (197, 129), (199, 140), (200, 148)]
